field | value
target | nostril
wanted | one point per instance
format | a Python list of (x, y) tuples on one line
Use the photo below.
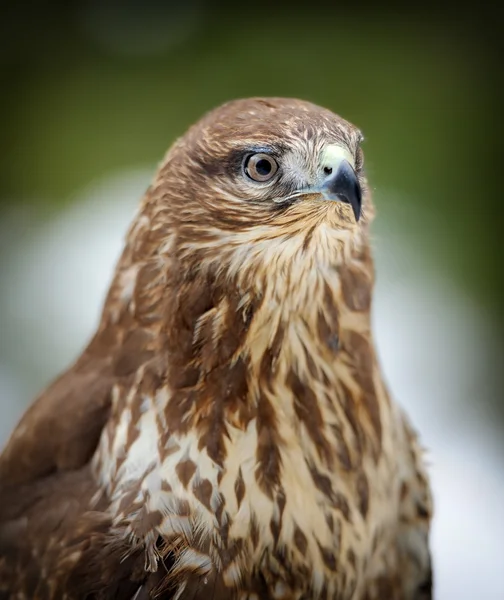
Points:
[(327, 170)]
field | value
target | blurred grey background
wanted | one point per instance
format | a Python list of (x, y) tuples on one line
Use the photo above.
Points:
[(93, 93)]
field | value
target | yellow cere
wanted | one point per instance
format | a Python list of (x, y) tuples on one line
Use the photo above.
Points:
[(334, 154)]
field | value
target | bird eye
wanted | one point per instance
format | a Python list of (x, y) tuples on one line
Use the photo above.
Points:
[(261, 167)]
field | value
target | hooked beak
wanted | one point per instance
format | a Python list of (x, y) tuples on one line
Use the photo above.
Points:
[(344, 187)]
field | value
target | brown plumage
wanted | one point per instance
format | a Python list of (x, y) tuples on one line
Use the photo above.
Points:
[(227, 433)]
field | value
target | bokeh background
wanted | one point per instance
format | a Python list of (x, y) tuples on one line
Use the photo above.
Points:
[(93, 93)]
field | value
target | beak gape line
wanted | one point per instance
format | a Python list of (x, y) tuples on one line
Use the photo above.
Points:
[(344, 186)]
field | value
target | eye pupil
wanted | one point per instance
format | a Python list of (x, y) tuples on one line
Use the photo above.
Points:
[(263, 167)]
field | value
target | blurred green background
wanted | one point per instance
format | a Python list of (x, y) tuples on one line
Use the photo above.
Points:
[(97, 86), (98, 89)]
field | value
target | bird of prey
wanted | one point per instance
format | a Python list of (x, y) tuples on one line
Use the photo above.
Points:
[(227, 433)]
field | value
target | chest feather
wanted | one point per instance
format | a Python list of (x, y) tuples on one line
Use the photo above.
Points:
[(264, 447)]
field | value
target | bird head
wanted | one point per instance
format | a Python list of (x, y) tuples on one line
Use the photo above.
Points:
[(264, 169)]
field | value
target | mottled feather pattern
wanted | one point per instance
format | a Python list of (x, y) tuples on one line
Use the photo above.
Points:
[(227, 433)]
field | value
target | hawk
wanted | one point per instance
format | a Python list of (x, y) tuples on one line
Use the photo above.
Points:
[(227, 433)]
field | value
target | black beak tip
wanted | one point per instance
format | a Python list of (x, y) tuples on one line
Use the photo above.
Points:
[(355, 202), (357, 205), (356, 213)]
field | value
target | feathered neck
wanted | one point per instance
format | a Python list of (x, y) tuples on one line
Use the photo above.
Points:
[(261, 378), (219, 337)]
